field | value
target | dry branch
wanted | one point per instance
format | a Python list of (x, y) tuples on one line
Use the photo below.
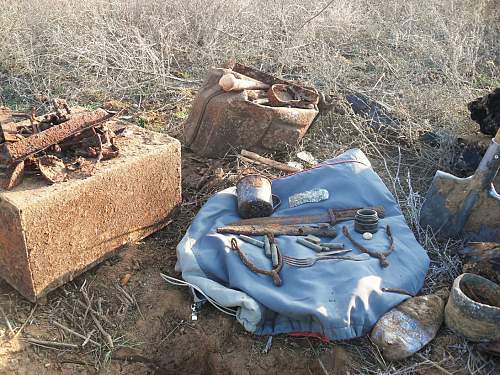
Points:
[(7, 321), (272, 163), (52, 344), (74, 333), (26, 321), (106, 335)]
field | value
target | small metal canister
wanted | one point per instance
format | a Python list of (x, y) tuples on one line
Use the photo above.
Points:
[(366, 220), (254, 197)]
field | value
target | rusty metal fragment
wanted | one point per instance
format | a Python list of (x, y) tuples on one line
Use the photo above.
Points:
[(306, 93), (483, 258), (10, 132), (381, 255), (50, 143), (277, 262), (13, 176), (52, 168), (279, 230), (281, 95), (56, 134)]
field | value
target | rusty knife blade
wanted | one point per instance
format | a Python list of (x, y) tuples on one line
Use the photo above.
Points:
[(331, 216)]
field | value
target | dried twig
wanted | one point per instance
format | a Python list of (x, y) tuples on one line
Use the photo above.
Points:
[(7, 321), (313, 17), (87, 339), (106, 335), (325, 371), (434, 364), (26, 321), (89, 308), (52, 344), (74, 333), (124, 292), (130, 298)]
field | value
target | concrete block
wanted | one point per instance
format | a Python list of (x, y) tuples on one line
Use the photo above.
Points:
[(51, 233)]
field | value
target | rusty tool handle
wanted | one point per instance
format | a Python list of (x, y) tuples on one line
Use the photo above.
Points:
[(229, 82), (40, 141), (278, 230)]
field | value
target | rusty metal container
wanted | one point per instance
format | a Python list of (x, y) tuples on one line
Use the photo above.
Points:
[(254, 197), (221, 121)]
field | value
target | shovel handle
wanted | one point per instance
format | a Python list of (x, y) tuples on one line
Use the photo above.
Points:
[(489, 165)]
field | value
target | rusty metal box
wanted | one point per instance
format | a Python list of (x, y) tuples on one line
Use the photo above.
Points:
[(220, 121), (51, 233)]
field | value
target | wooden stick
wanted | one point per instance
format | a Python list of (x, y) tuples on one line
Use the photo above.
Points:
[(70, 331), (106, 335), (7, 321), (53, 344), (87, 339), (26, 322), (275, 164)]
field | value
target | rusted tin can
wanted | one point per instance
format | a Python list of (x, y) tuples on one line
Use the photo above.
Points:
[(254, 197)]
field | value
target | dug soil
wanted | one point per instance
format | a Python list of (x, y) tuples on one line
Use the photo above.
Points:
[(163, 340)]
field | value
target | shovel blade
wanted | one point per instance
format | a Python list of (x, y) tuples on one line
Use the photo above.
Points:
[(441, 210), (453, 208)]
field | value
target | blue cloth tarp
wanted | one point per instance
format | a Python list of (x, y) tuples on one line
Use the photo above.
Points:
[(336, 299)]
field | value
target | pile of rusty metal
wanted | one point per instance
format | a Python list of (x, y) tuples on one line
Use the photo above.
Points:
[(268, 90), (54, 144)]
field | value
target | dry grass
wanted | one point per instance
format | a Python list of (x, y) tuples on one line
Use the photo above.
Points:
[(422, 60)]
